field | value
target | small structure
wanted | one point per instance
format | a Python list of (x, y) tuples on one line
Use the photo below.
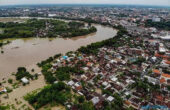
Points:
[(39, 73), (70, 83), (95, 100), (25, 80), (3, 89), (110, 98), (65, 57)]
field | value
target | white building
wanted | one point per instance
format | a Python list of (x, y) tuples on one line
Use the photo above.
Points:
[(25, 80), (95, 100), (156, 19)]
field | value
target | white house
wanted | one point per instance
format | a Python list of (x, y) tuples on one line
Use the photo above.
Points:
[(25, 80)]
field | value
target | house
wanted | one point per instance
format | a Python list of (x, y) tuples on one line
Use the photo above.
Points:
[(110, 99), (151, 79), (40, 73), (165, 76), (165, 63), (156, 71), (135, 103), (70, 83), (114, 79), (78, 87), (95, 100), (25, 80), (3, 89), (84, 77), (156, 19), (162, 80), (105, 83), (162, 50), (85, 68), (127, 103), (65, 57)]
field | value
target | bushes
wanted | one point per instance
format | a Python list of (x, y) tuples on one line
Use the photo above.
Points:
[(93, 48), (58, 93), (4, 43), (10, 81), (22, 72), (160, 25), (49, 77), (80, 32), (61, 74), (49, 60), (4, 107)]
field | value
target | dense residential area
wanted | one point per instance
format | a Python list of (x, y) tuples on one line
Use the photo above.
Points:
[(130, 71), (135, 74)]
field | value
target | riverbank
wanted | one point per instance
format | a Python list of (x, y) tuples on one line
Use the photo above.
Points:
[(42, 28), (29, 51)]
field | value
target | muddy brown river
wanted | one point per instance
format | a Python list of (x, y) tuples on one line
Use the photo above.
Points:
[(29, 51)]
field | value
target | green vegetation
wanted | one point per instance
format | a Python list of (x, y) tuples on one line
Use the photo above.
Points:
[(56, 93), (86, 106), (22, 72), (87, 20), (49, 60), (61, 74), (160, 25), (44, 28), (168, 87), (4, 107), (81, 104), (93, 48), (116, 105), (145, 86), (4, 43), (10, 81), (9, 89)]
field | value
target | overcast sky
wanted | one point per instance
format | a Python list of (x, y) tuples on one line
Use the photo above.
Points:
[(139, 2)]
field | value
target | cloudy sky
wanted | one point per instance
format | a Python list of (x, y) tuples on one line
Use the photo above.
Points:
[(139, 2)]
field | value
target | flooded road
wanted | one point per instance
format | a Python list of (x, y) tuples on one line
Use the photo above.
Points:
[(30, 51)]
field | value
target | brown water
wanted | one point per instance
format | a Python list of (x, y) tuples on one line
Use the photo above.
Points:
[(26, 52)]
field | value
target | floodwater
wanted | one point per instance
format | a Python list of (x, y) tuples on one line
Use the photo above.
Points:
[(30, 51)]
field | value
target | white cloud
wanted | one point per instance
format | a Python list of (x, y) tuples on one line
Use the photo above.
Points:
[(141, 2)]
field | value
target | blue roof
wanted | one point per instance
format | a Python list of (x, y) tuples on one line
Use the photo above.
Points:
[(65, 57)]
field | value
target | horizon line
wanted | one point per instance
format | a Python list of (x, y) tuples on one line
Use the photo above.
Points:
[(85, 4)]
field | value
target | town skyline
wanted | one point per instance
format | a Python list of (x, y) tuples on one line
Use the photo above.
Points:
[(100, 2)]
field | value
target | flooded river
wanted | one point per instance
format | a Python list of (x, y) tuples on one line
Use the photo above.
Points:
[(29, 51)]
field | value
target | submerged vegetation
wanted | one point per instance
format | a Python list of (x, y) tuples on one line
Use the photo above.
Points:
[(44, 28), (56, 93), (2, 43), (21, 73), (4, 107)]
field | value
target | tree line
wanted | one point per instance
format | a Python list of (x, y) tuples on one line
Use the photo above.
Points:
[(164, 25), (44, 28), (57, 93)]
